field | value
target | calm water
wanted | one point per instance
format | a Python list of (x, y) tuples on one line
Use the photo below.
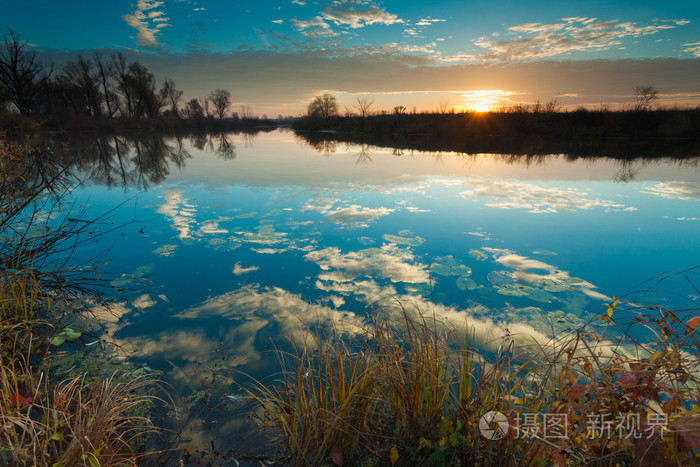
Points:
[(234, 242)]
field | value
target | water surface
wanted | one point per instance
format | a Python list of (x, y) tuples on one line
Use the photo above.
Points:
[(232, 243)]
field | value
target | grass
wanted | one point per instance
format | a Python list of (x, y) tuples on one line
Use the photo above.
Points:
[(81, 420), (414, 390)]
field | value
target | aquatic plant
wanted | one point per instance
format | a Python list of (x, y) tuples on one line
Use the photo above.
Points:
[(416, 391)]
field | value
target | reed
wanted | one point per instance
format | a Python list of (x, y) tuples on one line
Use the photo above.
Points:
[(414, 391)]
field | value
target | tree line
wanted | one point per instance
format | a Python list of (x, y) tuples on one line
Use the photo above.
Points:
[(97, 86)]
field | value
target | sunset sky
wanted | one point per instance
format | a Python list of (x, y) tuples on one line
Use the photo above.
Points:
[(277, 55)]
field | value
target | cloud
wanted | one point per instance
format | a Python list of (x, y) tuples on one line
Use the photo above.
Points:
[(260, 307), (358, 14), (315, 27), (148, 22), (299, 2), (428, 21), (352, 216), (239, 270), (389, 262), (675, 190), (537, 41), (529, 270), (535, 198), (180, 213), (693, 48)]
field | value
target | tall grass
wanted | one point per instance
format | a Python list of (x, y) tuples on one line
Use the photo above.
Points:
[(81, 420), (75, 422), (414, 391)]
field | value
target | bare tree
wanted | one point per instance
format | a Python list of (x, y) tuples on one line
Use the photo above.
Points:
[(22, 76), (399, 110), (221, 100), (644, 96), (246, 111), (105, 74), (364, 105), (194, 109), (323, 106), (84, 80), (172, 95)]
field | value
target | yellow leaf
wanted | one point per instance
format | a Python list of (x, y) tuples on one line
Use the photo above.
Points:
[(656, 356), (611, 307), (394, 455)]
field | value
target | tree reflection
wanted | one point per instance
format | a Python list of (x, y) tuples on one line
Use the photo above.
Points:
[(364, 156), (125, 161)]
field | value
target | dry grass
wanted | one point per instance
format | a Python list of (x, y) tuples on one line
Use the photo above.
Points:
[(78, 421), (414, 391)]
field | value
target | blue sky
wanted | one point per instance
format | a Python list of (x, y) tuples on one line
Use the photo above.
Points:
[(276, 55)]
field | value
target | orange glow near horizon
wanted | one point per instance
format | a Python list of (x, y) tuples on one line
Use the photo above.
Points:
[(486, 100)]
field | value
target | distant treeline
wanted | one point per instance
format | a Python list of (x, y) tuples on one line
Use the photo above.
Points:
[(518, 132), (99, 92)]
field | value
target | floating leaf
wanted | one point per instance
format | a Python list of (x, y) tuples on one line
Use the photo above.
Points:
[(689, 428), (337, 454), (394, 455), (693, 322), (478, 254), (627, 380), (165, 250), (466, 283), (67, 334)]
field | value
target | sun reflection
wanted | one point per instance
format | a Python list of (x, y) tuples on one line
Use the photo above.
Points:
[(485, 100)]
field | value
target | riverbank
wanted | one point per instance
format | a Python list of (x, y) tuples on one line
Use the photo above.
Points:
[(620, 134)]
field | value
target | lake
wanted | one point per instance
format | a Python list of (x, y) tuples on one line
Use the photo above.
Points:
[(229, 246)]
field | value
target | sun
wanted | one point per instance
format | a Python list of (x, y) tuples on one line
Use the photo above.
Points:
[(480, 107)]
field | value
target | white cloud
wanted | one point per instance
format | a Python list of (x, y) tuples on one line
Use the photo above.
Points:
[(258, 307), (358, 13), (536, 40), (352, 216), (388, 262), (315, 27), (675, 190), (525, 270), (536, 199), (180, 213), (693, 48), (147, 21), (428, 21), (240, 270), (278, 21)]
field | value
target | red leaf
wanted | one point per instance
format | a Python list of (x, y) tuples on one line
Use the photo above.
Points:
[(21, 401), (693, 322), (576, 391), (689, 428), (627, 380), (337, 454)]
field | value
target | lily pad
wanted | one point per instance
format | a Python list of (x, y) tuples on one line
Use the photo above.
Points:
[(479, 255), (466, 283), (449, 266), (500, 278), (165, 250), (410, 241), (66, 334)]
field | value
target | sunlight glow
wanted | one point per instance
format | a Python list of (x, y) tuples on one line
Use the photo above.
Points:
[(486, 100)]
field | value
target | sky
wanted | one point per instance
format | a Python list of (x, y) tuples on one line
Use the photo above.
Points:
[(276, 55)]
